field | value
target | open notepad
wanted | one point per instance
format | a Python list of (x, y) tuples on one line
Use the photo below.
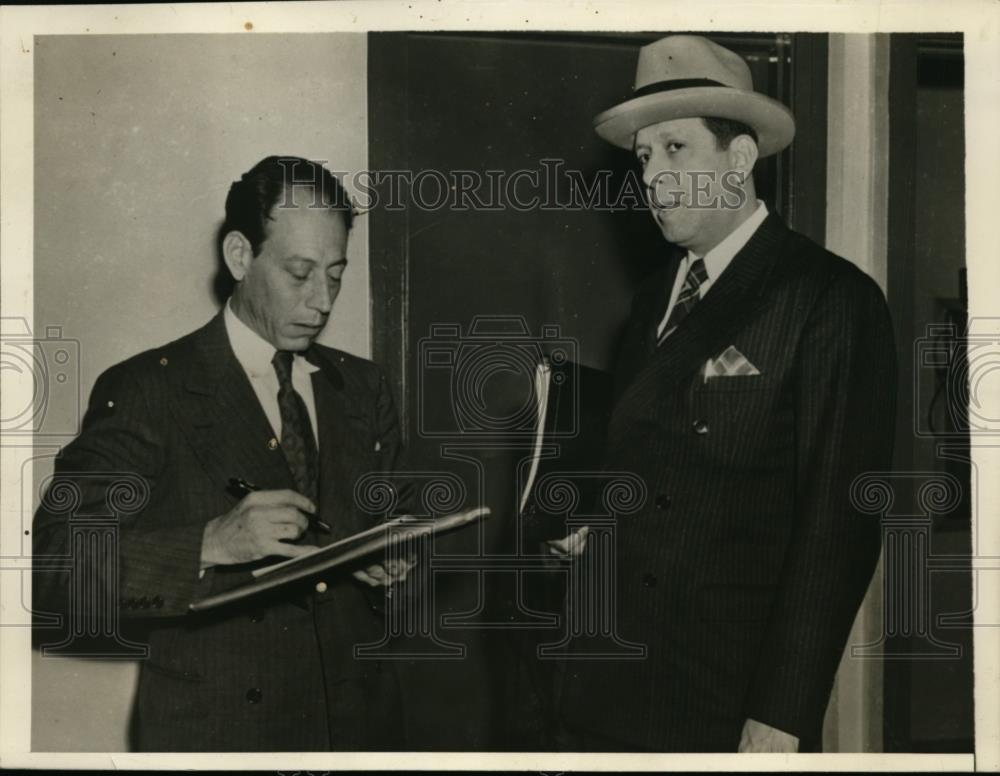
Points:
[(339, 553)]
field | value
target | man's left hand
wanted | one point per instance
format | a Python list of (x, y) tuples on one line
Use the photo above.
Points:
[(386, 574), (572, 546), (758, 737)]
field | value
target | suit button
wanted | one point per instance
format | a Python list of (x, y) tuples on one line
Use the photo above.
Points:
[(272, 444), (648, 580), (531, 510), (254, 695), (321, 587), (663, 501), (700, 427), (256, 616)]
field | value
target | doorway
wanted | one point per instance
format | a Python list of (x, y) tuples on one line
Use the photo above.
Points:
[(521, 104)]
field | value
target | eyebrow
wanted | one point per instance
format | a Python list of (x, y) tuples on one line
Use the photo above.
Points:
[(667, 136), (296, 257)]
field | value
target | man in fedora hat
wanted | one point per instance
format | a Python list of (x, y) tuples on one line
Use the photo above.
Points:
[(756, 381)]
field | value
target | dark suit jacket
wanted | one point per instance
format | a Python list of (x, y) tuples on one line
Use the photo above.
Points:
[(275, 672), (744, 571)]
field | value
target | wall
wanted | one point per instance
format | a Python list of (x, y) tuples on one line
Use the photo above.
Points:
[(137, 139), (856, 225), (941, 702)]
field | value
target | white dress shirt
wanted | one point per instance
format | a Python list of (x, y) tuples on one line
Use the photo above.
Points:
[(716, 260), (254, 354)]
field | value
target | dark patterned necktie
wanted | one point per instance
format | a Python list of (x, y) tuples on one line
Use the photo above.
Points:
[(297, 440), (686, 299)]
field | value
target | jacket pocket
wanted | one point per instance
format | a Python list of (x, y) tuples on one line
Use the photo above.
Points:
[(735, 384)]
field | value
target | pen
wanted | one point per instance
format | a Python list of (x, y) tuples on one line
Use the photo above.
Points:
[(245, 488)]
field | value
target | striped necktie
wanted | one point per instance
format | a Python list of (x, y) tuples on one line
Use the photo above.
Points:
[(297, 440), (686, 299)]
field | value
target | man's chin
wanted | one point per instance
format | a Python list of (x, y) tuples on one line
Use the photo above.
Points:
[(668, 221), (671, 233)]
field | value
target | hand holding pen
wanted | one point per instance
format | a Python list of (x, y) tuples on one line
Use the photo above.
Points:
[(244, 488), (261, 525)]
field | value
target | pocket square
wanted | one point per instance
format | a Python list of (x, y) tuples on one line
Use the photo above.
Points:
[(730, 363)]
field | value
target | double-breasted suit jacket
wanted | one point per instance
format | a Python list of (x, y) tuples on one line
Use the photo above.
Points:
[(274, 672), (743, 572)]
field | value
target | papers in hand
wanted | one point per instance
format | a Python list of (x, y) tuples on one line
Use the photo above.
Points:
[(543, 377)]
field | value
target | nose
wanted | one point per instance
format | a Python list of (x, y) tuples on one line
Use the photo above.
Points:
[(649, 177), (321, 298), (654, 179), (662, 187)]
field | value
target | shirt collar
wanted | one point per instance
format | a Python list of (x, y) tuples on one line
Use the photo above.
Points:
[(253, 351), (717, 259)]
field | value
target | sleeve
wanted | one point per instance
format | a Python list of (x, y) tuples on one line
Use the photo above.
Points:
[(113, 468), (845, 398)]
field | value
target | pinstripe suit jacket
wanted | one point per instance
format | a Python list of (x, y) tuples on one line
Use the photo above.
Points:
[(744, 571), (275, 672)]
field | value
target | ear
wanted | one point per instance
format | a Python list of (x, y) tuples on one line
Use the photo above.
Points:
[(237, 254), (743, 154)]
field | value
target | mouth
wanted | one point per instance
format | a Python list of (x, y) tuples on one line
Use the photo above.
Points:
[(669, 202), (664, 214), (311, 327)]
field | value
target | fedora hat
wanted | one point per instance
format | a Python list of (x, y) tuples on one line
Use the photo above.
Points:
[(686, 76)]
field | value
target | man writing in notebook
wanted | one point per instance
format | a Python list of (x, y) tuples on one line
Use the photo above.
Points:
[(756, 381), (249, 402)]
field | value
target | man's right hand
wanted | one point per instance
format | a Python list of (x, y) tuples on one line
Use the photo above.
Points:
[(261, 525)]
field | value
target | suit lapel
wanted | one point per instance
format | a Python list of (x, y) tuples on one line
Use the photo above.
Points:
[(342, 425), (224, 420), (729, 303), (658, 301), (639, 341)]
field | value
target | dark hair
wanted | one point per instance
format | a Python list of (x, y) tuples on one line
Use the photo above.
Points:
[(252, 198), (726, 129)]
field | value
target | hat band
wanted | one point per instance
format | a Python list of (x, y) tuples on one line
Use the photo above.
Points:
[(676, 83)]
